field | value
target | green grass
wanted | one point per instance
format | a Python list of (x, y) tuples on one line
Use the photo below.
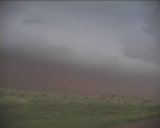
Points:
[(26, 109)]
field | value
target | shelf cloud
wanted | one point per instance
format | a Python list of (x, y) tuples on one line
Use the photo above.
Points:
[(123, 35)]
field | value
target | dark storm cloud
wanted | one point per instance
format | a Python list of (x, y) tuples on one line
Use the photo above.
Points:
[(92, 33), (145, 49)]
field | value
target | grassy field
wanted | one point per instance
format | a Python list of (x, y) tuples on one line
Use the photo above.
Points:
[(26, 109)]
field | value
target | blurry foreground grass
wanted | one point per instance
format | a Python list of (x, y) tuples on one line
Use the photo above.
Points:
[(26, 109)]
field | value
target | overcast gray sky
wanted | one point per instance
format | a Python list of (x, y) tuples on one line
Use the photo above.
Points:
[(123, 35)]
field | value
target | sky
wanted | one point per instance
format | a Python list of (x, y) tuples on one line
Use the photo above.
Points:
[(120, 35)]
